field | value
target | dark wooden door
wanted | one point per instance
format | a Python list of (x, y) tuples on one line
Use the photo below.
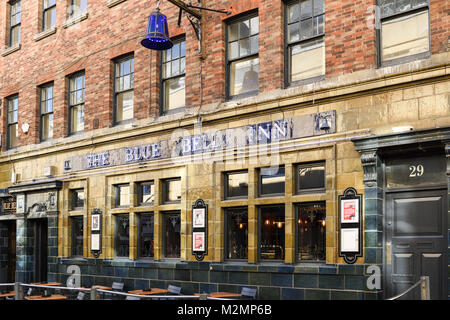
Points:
[(40, 250), (416, 242), (11, 252)]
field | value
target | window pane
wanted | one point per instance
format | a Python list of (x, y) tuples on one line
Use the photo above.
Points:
[(172, 190), (244, 76), (272, 233), (319, 7), (77, 118), (13, 132), (174, 93), (122, 196), (15, 35), (244, 29), (307, 60), (244, 47), (311, 231), (176, 51), (147, 193), (124, 106), (49, 18), (237, 184), (254, 44), (233, 50), (47, 126), (77, 236), (254, 26), (311, 177), (305, 9), (122, 235), (318, 25), (146, 236), (397, 43), (294, 13), (172, 226), (233, 32), (237, 233), (77, 199), (387, 7), (272, 180), (306, 29), (402, 5), (294, 32)]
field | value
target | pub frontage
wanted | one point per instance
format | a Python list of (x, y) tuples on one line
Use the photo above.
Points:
[(288, 205)]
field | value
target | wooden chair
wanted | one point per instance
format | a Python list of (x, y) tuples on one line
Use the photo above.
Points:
[(118, 287)]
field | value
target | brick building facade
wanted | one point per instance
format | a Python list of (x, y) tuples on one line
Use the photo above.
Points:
[(366, 97)]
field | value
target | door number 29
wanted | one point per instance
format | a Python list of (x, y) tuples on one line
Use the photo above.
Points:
[(416, 171)]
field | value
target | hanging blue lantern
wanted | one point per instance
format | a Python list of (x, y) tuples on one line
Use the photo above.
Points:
[(157, 37)]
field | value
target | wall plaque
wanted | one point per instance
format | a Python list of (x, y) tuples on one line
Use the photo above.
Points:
[(96, 232)]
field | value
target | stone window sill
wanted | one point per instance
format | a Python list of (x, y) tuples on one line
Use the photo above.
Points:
[(44, 34), (10, 50), (71, 21), (112, 3)]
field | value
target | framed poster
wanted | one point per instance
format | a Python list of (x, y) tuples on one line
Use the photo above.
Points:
[(96, 232), (198, 216), (350, 229), (349, 211), (350, 240), (95, 242), (200, 229), (95, 222), (198, 239)]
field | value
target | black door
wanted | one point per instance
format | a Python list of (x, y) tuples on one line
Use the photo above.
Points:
[(11, 273), (40, 250), (416, 242)]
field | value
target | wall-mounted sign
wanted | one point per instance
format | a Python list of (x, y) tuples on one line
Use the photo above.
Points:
[(205, 142), (96, 232), (200, 229), (350, 233), (8, 205)]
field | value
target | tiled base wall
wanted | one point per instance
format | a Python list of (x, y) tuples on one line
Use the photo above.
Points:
[(273, 282)]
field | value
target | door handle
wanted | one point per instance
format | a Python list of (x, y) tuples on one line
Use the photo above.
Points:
[(388, 252)]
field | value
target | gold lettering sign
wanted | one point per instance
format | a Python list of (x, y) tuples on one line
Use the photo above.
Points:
[(9, 205)]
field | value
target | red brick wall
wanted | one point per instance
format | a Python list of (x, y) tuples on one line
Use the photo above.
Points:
[(110, 32)]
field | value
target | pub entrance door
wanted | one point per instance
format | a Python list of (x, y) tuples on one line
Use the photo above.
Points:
[(40, 250), (415, 225), (11, 266)]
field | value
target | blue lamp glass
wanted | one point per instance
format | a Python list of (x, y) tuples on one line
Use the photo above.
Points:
[(157, 37)]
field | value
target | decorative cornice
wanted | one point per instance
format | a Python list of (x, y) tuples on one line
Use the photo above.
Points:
[(369, 164), (35, 186)]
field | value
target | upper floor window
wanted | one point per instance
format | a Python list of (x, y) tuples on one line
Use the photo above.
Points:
[(271, 181), (77, 199), (173, 78), (46, 111), (122, 195), (14, 25), (77, 8), (146, 193), (49, 14), (310, 177), (242, 57), (12, 122), (305, 40), (236, 184), (404, 33), (76, 102), (123, 89), (171, 190)]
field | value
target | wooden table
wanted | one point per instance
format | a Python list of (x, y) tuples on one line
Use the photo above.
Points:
[(51, 284), (151, 292), (8, 294), (222, 294), (52, 297), (101, 287)]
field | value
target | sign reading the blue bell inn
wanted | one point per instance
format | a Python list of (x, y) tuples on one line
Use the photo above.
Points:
[(178, 145)]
